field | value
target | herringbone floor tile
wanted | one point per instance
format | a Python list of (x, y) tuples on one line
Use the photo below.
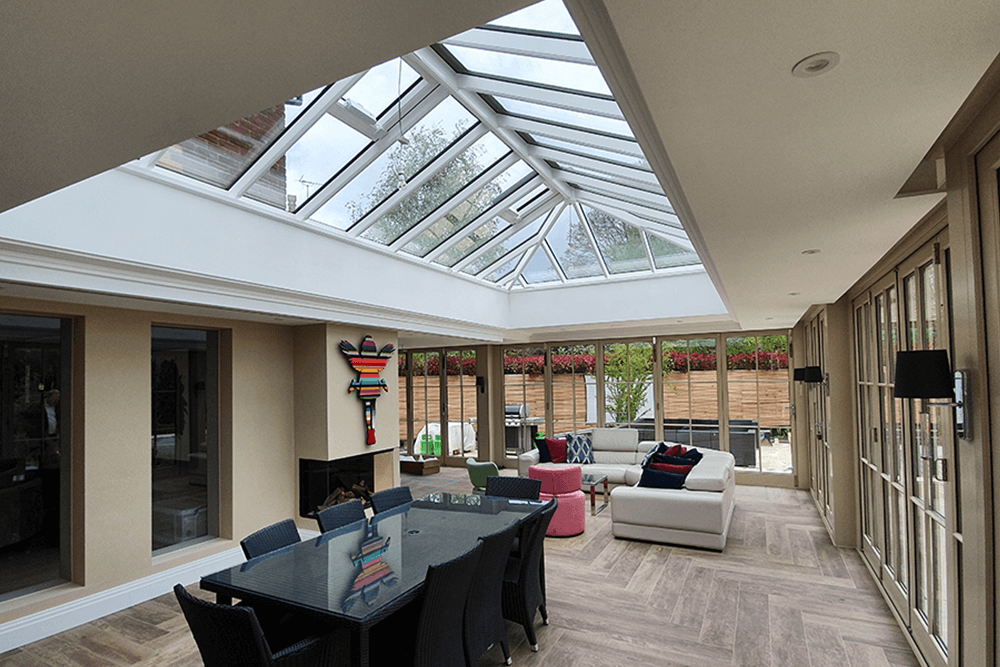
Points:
[(780, 595)]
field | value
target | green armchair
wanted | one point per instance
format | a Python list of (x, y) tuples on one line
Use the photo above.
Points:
[(478, 472)]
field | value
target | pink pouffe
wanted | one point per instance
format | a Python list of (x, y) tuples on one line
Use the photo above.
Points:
[(563, 483)]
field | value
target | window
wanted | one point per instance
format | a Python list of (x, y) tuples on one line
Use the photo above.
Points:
[(185, 441)]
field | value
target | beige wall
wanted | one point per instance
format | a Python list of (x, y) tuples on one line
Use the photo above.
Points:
[(112, 476)]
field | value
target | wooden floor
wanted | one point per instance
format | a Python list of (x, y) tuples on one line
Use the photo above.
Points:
[(781, 594)]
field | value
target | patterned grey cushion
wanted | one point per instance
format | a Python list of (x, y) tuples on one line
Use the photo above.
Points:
[(579, 449)]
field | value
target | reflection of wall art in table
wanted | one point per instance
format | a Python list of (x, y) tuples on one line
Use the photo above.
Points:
[(368, 362)]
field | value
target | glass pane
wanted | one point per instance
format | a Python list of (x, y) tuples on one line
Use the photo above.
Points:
[(920, 563), (184, 436), (467, 211), (427, 403), (427, 139), (621, 244), (503, 248), (883, 339), (550, 16), (585, 121), (666, 254), (912, 313), (524, 392), (930, 299), (479, 236), (539, 71), (319, 154), (436, 191), (628, 380), (35, 456), (540, 269), (572, 247), (381, 86), (503, 271), (901, 548), (462, 401), (940, 574), (893, 334), (630, 159), (221, 155), (572, 374)]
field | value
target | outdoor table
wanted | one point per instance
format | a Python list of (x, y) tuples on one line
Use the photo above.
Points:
[(358, 575)]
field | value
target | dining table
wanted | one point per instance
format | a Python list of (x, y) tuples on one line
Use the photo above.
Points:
[(359, 574)]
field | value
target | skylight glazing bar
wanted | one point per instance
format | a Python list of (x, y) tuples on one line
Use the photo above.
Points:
[(415, 108), (471, 136), (635, 171), (598, 105), (532, 240), (542, 233), (430, 65), (455, 200), (579, 137), (555, 263), (593, 240), (638, 208), (527, 219), (649, 252), (561, 48), (622, 190), (292, 133), (493, 211)]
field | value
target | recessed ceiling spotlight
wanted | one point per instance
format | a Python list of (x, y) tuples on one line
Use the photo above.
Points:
[(794, 293), (811, 251), (816, 64), (768, 319)]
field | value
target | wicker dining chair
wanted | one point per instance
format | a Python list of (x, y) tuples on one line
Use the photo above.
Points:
[(523, 488), (484, 624), (232, 637), (336, 516), (384, 500), (270, 539), (522, 592)]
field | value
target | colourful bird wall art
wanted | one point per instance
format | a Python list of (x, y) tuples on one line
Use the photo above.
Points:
[(369, 361)]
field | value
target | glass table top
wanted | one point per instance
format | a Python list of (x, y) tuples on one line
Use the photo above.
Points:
[(594, 478), (353, 572)]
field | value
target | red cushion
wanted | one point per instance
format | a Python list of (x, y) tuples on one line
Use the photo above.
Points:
[(666, 467), (557, 448), (676, 450)]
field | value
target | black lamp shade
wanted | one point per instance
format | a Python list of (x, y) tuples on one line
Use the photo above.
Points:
[(812, 374), (923, 374), (799, 374)]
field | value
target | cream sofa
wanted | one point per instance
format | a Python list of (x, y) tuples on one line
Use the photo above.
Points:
[(617, 454), (698, 515)]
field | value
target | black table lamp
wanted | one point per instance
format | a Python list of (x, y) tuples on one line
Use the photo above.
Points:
[(923, 374)]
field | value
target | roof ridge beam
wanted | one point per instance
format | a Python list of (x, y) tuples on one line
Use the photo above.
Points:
[(525, 44), (638, 195), (626, 147), (574, 101)]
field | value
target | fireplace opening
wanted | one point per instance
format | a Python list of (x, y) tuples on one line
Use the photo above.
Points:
[(324, 483)]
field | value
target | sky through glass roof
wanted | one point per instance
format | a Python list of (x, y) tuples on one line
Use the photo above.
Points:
[(499, 154)]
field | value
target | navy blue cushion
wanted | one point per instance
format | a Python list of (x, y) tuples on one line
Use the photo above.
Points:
[(671, 460), (544, 456), (693, 455), (656, 479)]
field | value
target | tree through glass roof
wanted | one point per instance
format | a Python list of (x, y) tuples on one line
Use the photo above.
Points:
[(499, 153)]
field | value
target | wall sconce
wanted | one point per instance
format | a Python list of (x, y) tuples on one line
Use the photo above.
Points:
[(812, 374), (926, 374), (799, 374)]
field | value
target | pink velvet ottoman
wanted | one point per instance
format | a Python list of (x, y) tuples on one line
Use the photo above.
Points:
[(563, 483)]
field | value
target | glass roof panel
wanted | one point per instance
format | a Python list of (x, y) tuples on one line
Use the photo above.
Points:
[(317, 155), (589, 151), (503, 248), (550, 16), (445, 183), (537, 71), (220, 156), (666, 254), (467, 211), (478, 237), (572, 247), (540, 269), (427, 139), (504, 271), (620, 244), (381, 86), (586, 121)]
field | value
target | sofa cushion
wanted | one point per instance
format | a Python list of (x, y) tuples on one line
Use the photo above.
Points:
[(615, 472), (579, 449), (678, 509), (693, 455), (615, 439), (632, 474), (676, 450), (676, 469), (712, 473), (544, 455), (557, 448), (656, 479), (670, 460), (615, 458)]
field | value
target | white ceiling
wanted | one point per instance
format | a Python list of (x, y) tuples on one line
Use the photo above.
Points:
[(769, 165)]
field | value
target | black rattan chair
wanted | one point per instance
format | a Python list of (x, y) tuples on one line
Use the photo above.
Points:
[(484, 624), (336, 516), (522, 591), (523, 488), (269, 539), (231, 637), (435, 639), (385, 500)]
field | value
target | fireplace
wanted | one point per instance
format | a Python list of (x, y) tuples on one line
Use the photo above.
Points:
[(319, 479)]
